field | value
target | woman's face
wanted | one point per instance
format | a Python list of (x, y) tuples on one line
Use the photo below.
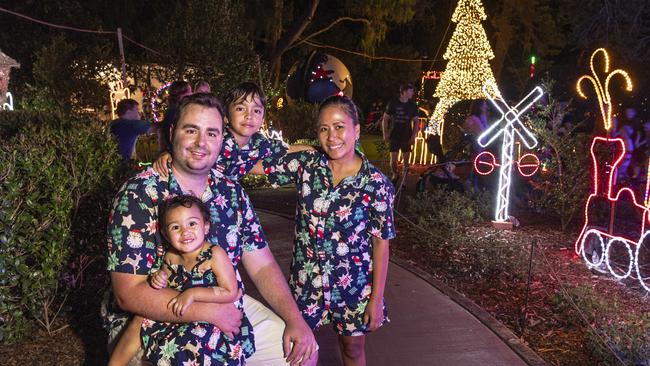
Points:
[(337, 133)]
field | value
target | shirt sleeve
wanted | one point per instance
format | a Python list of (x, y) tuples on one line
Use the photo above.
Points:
[(381, 209), (133, 229), (287, 169), (274, 151), (143, 127)]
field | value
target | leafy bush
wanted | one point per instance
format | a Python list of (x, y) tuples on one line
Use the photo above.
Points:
[(55, 188), (563, 190), (611, 336), (445, 210), (297, 121)]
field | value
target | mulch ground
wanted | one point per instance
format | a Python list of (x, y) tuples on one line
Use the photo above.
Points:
[(558, 337)]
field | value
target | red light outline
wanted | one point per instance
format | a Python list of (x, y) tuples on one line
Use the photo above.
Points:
[(536, 165), (609, 196)]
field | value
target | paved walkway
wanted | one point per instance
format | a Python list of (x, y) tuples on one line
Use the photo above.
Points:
[(427, 327)]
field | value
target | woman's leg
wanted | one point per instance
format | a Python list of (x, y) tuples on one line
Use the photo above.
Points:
[(353, 350)]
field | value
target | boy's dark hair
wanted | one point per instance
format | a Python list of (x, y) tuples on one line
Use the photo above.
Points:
[(405, 86), (244, 90), (125, 105), (345, 103), (184, 200)]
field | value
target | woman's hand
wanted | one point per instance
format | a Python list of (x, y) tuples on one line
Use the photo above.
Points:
[(180, 303), (374, 314), (158, 280), (160, 165)]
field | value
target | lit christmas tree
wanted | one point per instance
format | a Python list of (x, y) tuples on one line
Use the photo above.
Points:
[(468, 69)]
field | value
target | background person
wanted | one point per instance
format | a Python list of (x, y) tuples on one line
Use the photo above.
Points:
[(202, 86), (177, 91), (128, 126), (400, 127)]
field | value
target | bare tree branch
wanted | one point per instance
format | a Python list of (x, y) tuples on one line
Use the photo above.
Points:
[(337, 21), (294, 33)]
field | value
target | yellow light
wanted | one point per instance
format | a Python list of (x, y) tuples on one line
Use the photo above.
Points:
[(117, 93), (419, 150), (280, 103), (602, 91), (468, 68)]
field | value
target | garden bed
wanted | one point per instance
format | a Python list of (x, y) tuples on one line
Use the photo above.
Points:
[(573, 316)]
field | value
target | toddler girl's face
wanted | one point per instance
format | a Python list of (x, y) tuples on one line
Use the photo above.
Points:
[(186, 228), (246, 116)]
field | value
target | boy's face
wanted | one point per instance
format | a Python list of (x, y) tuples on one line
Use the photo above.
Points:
[(246, 116), (186, 228)]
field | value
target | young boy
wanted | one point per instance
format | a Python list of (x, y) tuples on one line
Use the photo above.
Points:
[(192, 266)]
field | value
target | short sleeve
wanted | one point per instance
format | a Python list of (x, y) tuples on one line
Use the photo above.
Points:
[(142, 127), (133, 229), (275, 150), (287, 169), (381, 208)]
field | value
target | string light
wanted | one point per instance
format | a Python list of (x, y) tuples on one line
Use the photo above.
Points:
[(117, 92), (420, 151), (508, 125), (533, 167), (9, 104), (468, 68), (609, 192), (154, 101), (602, 90)]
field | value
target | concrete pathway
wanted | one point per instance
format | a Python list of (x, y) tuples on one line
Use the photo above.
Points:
[(427, 327)]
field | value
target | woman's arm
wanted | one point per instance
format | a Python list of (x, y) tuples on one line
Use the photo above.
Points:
[(374, 314)]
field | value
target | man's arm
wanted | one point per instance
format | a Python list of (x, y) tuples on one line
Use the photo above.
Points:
[(384, 125), (134, 294), (265, 273), (416, 128)]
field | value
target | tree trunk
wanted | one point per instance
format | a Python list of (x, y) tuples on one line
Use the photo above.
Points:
[(504, 35), (291, 36)]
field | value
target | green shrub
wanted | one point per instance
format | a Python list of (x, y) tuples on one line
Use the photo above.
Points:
[(443, 210), (56, 183), (297, 121), (611, 336), (563, 189)]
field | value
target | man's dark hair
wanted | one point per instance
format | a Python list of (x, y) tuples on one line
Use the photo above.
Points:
[(176, 89), (405, 86), (184, 200), (125, 105), (244, 90), (345, 103), (207, 100)]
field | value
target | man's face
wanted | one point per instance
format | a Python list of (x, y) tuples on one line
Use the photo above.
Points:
[(132, 113), (408, 93), (197, 139)]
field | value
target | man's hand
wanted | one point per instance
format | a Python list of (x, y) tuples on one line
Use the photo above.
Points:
[(386, 138), (160, 165), (374, 314), (158, 280), (227, 318), (298, 342), (412, 140)]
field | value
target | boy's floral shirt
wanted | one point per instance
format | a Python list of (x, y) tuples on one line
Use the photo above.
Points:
[(234, 161), (332, 261)]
